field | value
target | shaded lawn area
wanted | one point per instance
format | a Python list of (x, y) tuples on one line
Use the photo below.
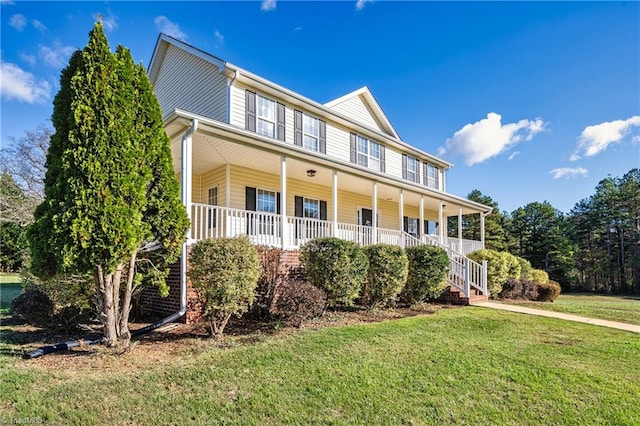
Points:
[(457, 366), (10, 288), (612, 308)]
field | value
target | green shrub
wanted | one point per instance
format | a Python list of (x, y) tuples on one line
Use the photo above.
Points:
[(336, 266), (224, 273), (497, 268), (539, 276), (387, 275), (427, 277), (297, 301), (549, 291), (525, 268), (514, 268)]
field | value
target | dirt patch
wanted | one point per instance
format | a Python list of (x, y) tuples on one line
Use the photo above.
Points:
[(172, 341)]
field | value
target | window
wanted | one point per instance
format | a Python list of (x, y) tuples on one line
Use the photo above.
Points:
[(413, 172), (266, 113), (431, 227), (212, 200), (431, 176), (310, 130), (212, 196), (266, 201), (368, 153), (412, 226), (311, 208)]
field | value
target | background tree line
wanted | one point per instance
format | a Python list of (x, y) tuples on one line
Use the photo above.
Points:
[(594, 247)]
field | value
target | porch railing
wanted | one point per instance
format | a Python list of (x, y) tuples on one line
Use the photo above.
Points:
[(266, 229)]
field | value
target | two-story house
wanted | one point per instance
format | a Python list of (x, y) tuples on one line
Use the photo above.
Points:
[(256, 158)]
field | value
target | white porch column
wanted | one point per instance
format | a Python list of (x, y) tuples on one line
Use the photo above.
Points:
[(460, 230), (334, 203), (482, 228), (374, 219), (227, 170), (186, 171), (401, 209), (441, 224), (283, 202), (421, 230)]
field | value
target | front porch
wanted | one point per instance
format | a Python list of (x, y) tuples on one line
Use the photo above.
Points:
[(290, 232)]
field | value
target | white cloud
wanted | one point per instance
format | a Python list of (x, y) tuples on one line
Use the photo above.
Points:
[(21, 85), (30, 59), (164, 25), (38, 25), (513, 155), (219, 39), (18, 21), (296, 29), (568, 172), (360, 4), (268, 5), (55, 56), (595, 139), (6, 1), (486, 138)]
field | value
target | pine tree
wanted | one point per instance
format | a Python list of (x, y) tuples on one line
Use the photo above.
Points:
[(110, 190)]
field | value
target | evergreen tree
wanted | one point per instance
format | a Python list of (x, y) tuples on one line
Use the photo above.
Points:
[(110, 190)]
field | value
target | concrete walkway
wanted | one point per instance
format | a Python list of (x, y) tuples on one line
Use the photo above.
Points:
[(521, 309)]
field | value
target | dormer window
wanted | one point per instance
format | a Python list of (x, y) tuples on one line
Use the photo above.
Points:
[(367, 153), (310, 132), (264, 116)]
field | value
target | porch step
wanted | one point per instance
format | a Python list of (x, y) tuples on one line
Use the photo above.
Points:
[(453, 296)]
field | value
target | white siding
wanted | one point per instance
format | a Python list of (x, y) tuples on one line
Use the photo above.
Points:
[(192, 84), (393, 163), (338, 143), (358, 110), (237, 106)]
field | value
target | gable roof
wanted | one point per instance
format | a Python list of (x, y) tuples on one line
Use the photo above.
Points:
[(364, 96), (386, 132)]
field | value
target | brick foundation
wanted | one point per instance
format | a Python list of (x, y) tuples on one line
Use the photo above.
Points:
[(152, 303)]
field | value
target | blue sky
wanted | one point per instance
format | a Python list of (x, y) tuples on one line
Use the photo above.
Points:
[(530, 101)]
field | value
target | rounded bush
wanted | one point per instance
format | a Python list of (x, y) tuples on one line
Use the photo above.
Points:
[(35, 307), (387, 275), (497, 268), (336, 266), (427, 277), (549, 291), (525, 268), (514, 268), (224, 272), (539, 276)]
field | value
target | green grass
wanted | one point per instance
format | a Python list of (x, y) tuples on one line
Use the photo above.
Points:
[(10, 288), (458, 366), (612, 308)]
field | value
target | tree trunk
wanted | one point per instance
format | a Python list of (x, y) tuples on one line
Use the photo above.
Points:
[(108, 304), (125, 335)]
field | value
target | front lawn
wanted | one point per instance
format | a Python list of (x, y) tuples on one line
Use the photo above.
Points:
[(612, 308), (10, 288), (457, 366)]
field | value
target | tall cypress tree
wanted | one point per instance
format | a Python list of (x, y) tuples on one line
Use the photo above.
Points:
[(110, 190)]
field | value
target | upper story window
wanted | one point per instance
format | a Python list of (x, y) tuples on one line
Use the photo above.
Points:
[(367, 153), (266, 123), (410, 168), (264, 116), (431, 176), (310, 132)]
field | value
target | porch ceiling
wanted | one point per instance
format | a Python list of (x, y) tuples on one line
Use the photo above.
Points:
[(211, 151)]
